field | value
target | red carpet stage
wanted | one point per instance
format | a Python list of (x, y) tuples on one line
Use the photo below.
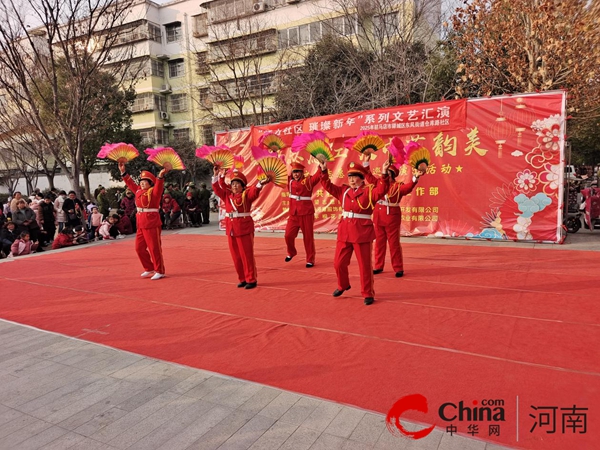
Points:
[(466, 323)]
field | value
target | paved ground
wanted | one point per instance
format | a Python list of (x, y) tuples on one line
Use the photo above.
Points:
[(58, 392)]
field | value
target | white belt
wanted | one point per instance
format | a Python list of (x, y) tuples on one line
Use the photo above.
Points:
[(297, 197), (351, 215), (235, 215), (143, 210), (386, 203)]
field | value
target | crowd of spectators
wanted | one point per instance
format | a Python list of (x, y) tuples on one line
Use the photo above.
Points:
[(57, 219)]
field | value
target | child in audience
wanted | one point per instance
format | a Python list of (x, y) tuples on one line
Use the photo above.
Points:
[(23, 245), (63, 239)]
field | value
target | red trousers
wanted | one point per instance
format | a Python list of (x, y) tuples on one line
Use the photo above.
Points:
[(242, 253), (148, 249), (343, 253), (389, 234), (305, 223)]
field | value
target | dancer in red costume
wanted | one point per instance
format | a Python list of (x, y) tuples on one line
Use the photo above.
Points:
[(239, 225), (301, 214), (148, 196), (386, 219), (355, 231)]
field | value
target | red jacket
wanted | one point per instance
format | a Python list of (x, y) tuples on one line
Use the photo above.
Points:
[(149, 198), (62, 240), (170, 206), (391, 213), (302, 188), (358, 201), (240, 203)]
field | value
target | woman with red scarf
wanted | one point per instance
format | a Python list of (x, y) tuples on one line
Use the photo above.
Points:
[(239, 225), (148, 196)]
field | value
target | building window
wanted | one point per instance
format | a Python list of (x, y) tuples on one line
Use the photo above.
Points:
[(158, 68), (173, 32), (181, 134), (204, 97), (178, 103), (160, 103), (200, 23), (202, 67), (162, 136), (147, 135), (208, 136), (313, 32), (154, 33), (143, 102), (248, 45), (176, 68)]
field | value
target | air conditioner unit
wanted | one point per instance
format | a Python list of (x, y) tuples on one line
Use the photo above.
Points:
[(164, 115), (162, 57), (165, 89), (168, 125), (259, 7)]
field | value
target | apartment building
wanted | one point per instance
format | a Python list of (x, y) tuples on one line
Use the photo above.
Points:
[(213, 65)]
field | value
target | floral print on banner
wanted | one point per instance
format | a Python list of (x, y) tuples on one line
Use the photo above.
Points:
[(525, 181)]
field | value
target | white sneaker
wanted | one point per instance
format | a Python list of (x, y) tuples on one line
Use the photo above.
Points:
[(158, 276), (146, 274)]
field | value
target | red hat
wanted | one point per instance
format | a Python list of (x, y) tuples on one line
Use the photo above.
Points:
[(297, 166), (356, 169), (395, 169), (239, 176), (145, 175)]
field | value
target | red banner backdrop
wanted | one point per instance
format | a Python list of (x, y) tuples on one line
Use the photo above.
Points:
[(496, 169)]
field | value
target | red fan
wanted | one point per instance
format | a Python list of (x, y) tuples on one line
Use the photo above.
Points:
[(272, 142), (418, 157), (270, 166), (366, 143), (397, 152), (315, 143), (165, 157), (120, 152), (219, 156)]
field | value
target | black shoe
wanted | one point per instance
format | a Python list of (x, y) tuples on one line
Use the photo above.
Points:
[(369, 301), (376, 271), (337, 292), (242, 284), (400, 274), (309, 265), (288, 258), (251, 285)]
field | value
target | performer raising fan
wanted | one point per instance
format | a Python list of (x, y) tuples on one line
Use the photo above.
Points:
[(301, 213), (387, 218), (239, 225), (355, 231), (148, 196)]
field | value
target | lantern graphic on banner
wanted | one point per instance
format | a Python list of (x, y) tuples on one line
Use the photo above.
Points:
[(522, 117), (500, 130)]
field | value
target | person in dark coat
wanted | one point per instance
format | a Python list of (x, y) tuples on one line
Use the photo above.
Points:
[(73, 209)]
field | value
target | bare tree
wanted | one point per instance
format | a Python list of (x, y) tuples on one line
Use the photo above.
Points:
[(51, 51), (237, 82), (369, 54)]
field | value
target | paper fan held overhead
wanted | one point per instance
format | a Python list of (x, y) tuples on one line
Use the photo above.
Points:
[(365, 143), (219, 156), (397, 151), (272, 142), (120, 152), (315, 143), (275, 169), (418, 157), (165, 157)]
